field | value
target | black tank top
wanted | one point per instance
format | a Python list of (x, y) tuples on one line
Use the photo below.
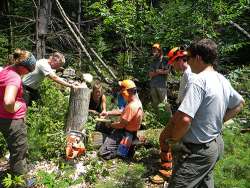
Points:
[(95, 106)]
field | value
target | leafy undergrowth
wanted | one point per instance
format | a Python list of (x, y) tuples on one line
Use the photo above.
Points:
[(47, 148)]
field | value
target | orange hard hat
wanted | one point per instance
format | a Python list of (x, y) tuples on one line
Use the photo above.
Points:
[(174, 53), (127, 84), (157, 46)]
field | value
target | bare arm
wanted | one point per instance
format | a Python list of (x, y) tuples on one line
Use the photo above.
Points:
[(157, 72), (104, 103), (114, 112), (230, 113), (59, 80), (176, 128), (9, 102)]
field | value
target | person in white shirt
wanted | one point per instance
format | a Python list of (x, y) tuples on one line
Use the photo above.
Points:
[(44, 68), (178, 60)]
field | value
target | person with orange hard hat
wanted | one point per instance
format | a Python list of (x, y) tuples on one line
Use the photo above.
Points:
[(178, 60), (158, 73), (129, 123)]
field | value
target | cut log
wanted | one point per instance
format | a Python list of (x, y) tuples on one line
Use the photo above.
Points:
[(96, 139), (245, 130), (77, 114)]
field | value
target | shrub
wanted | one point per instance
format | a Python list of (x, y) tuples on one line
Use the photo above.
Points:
[(45, 122)]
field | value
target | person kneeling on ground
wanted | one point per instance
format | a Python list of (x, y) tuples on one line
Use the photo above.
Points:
[(129, 123)]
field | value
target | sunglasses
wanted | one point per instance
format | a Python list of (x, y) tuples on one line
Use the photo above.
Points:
[(182, 58)]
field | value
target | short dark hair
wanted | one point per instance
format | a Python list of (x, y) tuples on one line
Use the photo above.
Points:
[(206, 48)]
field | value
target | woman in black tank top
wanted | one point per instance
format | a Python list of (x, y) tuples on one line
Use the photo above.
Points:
[(97, 102)]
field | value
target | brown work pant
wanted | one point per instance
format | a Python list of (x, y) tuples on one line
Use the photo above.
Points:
[(15, 134)]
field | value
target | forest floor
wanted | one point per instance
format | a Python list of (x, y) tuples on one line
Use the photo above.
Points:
[(79, 166)]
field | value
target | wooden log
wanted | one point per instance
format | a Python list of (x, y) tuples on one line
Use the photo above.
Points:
[(97, 138), (245, 130), (77, 114)]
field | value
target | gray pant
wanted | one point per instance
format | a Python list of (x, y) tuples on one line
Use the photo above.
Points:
[(109, 148), (194, 168), (159, 95), (15, 134)]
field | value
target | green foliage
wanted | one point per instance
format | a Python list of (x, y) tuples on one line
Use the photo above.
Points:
[(94, 170), (11, 181), (3, 49), (3, 145), (52, 180), (150, 120), (125, 176), (46, 123), (233, 169), (240, 79)]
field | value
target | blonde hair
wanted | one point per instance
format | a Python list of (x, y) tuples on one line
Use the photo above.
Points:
[(98, 85), (61, 57), (18, 57)]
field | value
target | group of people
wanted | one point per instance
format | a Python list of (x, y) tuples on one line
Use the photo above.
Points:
[(19, 82), (206, 100)]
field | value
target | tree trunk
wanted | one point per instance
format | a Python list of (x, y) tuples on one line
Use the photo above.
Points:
[(77, 114), (44, 13)]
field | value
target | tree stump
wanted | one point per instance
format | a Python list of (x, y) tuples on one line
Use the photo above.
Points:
[(78, 108)]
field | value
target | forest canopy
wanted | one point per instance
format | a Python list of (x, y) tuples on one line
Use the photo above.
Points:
[(122, 32)]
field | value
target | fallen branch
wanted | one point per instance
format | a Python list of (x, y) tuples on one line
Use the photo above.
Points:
[(94, 52), (240, 29), (72, 31), (104, 64), (20, 17), (66, 19)]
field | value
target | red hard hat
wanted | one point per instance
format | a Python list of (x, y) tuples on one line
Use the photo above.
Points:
[(174, 53)]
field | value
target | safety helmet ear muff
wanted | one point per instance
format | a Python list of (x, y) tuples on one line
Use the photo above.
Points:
[(125, 86), (175, 53)]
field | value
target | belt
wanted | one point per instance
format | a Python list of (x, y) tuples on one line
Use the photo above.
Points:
[(201, 145)]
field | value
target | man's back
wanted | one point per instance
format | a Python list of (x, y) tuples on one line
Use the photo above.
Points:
[(208, 97), (34, 78)]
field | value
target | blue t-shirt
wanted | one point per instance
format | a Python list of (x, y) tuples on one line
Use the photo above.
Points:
[(208, 96), (121, 102)]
